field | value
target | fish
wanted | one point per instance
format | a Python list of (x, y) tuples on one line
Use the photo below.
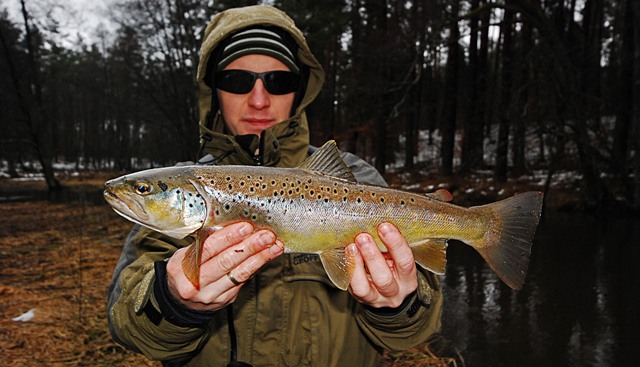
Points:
[(319, 207)]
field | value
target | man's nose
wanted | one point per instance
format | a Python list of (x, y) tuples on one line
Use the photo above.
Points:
[(259, 97)]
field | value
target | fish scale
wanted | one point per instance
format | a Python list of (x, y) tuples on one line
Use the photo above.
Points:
[(320, 208)]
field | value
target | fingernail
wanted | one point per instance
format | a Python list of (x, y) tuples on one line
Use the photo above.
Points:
[(385, 229), (245, 230), (364, 239), (353, 249), (265, 239), (275, 249)]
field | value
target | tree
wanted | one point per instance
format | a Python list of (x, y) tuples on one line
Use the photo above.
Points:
[(449, 116), (30, 99)]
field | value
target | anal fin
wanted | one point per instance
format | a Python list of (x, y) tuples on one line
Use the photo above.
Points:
[(339, 266), (431, 254)]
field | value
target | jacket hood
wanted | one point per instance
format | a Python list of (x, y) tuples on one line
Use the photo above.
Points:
[(284, 144)]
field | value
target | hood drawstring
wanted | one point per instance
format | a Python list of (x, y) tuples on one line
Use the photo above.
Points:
[(258, 158)]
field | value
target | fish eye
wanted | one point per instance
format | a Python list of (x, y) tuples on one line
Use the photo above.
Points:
[(142, 188)]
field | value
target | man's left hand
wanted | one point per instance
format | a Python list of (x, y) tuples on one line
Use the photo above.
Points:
[(383, 279)]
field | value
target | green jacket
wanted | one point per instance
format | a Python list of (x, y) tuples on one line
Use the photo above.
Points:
[(289, 313)]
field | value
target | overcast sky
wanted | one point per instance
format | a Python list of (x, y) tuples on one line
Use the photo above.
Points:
[(75, 17)]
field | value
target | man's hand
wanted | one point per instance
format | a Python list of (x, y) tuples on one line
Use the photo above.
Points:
[(383, 279), (234, 252)]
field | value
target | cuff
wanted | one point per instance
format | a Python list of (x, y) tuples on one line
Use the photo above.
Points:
[(171, 309)]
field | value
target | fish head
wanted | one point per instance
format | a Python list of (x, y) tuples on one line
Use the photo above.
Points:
[(167, 200)]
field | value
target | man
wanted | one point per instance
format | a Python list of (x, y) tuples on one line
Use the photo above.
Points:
[(256, 76)]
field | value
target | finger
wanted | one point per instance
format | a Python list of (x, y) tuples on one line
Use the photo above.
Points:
[(359, 286), (223, 238), (398, 248), (381, 275), (245, 270), (231, 257)]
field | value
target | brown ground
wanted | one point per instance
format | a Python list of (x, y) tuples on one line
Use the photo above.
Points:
[(57, 258)]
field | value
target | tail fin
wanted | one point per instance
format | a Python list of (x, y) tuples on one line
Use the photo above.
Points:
[(507, 244)]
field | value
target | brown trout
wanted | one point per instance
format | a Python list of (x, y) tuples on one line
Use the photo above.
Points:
[(319, 207)]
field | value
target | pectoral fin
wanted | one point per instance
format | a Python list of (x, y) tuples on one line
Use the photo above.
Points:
[(191, 260), (338, 266), (431, 254)]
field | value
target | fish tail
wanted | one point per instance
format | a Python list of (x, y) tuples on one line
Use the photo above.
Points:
[(506, 246)]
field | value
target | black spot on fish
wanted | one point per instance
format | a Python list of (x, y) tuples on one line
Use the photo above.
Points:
[(163, 186)]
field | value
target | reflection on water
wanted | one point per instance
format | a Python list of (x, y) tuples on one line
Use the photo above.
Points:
[(579, 307)]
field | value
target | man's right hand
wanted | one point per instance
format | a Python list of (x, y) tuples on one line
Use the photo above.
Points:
[(234, 252)]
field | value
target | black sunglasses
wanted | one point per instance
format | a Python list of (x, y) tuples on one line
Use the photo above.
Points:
[(242, 81)]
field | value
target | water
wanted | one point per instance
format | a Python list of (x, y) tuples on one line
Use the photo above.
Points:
[(580, 305)]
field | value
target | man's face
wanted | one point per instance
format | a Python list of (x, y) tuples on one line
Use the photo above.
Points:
[(258, 110)]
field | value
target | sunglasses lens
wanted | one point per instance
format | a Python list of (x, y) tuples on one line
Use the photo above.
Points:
[(281, 82), (235, 81), (241, 81)]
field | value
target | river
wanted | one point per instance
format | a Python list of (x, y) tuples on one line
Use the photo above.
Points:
[(580, 304)]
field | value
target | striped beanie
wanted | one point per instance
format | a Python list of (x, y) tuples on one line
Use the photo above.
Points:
[(257, 41)]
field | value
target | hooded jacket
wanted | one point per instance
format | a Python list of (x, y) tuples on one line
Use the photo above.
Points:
[(289, 313)]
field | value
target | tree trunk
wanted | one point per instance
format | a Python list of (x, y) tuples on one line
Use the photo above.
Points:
[(448, 124), (634, 8), (624, 100), (502, 149), (472, 140), (34, 100)]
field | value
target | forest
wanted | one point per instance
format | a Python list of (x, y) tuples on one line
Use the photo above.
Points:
[(504, 86)]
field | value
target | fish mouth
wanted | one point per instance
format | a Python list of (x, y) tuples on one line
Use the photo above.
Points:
[(130, 209)]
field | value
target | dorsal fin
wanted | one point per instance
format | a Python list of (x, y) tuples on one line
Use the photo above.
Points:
[(327, 161)]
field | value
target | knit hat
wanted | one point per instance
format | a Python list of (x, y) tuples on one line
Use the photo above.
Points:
[(258, 41)]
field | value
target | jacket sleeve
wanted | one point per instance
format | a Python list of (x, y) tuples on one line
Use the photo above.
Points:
[(417, 319), (133, 311)]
